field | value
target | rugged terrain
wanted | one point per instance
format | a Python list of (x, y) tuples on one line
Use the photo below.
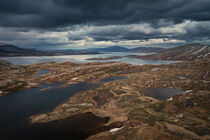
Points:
[(187, 52), (186, 116)]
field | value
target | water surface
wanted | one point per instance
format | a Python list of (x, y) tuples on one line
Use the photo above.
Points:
[(113, 78), (163, 93), (42, 72), (83, 59), (76, 127), (17, 107)]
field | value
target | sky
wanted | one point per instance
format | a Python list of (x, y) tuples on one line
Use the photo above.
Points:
[(78, 24)]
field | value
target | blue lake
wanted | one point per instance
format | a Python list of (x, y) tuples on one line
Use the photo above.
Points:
[(83, 59)]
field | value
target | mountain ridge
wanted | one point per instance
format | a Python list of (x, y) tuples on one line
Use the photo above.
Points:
[(122, 49), (8, 50), (185, 52)]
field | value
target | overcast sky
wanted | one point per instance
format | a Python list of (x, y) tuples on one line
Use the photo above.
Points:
[(60, 24)]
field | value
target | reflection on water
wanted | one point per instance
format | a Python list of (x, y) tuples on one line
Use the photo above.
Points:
[(82, 59)]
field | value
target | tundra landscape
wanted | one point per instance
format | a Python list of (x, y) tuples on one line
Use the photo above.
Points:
[(121, 94), (104, 70)]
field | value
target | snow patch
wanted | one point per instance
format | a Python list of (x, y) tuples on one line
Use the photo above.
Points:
[(74, 78), (170, 99), (155, 69), (115, 129), (188, 91), (206, 54), (199, 50)]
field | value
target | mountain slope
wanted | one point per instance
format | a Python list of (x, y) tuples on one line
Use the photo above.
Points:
[(7, 48), (185, 52), (11, 50)]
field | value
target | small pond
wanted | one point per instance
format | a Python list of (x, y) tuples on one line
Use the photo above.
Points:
[(42, 72), (163, 93), (113, 78)]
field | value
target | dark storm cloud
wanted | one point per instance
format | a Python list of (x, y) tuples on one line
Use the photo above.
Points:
[(187, 30), (58, 13), (103, 22)]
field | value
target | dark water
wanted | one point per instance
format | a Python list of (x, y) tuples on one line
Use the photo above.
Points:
[(163, 93), (41, 72), (76, 127), (17, 107), (113, 78)]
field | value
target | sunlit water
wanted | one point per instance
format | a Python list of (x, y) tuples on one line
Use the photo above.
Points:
[(83, 59)]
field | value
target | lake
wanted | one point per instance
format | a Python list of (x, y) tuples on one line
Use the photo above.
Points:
[(18, 106), (83, 59)]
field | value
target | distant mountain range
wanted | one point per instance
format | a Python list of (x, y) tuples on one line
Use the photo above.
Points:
[(186, 52), (122, 49), (11, 50)]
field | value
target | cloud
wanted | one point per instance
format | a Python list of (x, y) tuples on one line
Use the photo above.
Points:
[(59, 13), (86, 23), (139, 31), (131, 35)]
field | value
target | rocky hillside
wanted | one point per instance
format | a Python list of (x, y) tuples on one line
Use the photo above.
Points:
[(187, 52), (7, 48)]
